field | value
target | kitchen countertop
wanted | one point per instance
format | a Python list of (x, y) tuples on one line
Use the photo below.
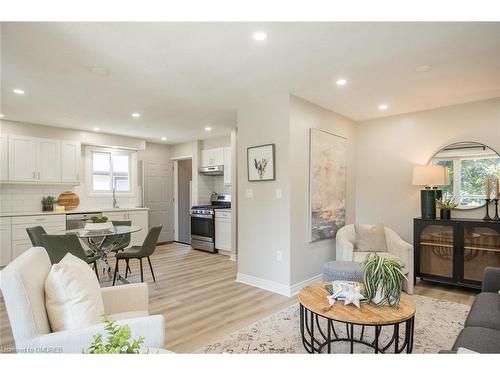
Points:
[(77, 211)]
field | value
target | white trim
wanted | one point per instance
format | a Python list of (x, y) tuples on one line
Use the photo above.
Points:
[(176, 200), (296, 288), (272, 286)]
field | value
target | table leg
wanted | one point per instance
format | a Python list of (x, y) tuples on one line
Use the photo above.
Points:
[(329, 336), (352, 338), (377, 333), (396, 338)]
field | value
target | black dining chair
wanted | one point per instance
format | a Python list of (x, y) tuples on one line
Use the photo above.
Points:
[(120, 241), (35, 234), (139, 252), (58, 245)]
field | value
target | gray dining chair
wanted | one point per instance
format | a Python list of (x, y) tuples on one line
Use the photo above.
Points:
[(58, 245), (139, 252), (35, 234)]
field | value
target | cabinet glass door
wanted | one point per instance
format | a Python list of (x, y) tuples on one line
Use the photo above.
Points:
[(481, 249), (436, 250)]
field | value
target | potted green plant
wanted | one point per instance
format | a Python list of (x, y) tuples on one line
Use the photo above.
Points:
[(445, 205), (383, 279), (119, 340), (48, 203), (99, 223)]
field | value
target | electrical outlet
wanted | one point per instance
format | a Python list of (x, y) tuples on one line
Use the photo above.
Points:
[(279, 256)]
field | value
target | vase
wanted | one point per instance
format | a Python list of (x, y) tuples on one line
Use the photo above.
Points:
[(445, 214)]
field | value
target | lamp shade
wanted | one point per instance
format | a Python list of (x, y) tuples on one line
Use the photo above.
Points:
[(430, 175)]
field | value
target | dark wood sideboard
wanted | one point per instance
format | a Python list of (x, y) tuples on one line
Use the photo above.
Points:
[(455, 251)]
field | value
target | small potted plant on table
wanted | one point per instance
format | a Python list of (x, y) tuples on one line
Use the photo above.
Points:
[(99, 223), (445, 205), (48, 203)]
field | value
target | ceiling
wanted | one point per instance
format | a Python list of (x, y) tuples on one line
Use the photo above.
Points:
[(182, 77)]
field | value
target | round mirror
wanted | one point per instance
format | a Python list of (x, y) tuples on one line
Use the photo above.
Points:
[(469, 164)]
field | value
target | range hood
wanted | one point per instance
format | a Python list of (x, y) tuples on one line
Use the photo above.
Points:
[(216, 170)]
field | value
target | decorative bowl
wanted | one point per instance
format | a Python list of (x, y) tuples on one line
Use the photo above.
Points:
[(108, 225)]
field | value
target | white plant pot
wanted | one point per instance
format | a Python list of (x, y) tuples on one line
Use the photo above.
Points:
[(108, 225), (379, 296)]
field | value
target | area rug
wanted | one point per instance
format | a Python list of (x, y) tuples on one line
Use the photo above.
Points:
[(437, 325)]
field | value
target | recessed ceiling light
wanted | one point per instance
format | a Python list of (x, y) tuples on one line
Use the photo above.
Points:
[(423, 68), (99, 70), (208, 128), (383, 107), (18, 91), (1, 115), (136, 115), (260, 36), (163, 138), (341, 81), (97, 129)]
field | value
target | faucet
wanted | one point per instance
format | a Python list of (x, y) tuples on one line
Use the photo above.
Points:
[(115, 205)]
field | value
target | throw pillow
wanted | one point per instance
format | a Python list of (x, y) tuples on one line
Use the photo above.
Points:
[(72, 295), (370, 238)]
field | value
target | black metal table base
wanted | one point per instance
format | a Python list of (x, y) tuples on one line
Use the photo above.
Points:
[(318, 339)]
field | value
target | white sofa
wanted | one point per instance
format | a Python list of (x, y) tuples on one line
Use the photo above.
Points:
[(22, 284), (396, 248)]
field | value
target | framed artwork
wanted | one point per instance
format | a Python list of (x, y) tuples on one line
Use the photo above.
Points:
[(261, 163), (327, 183)]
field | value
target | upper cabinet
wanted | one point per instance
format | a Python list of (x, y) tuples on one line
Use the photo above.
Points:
[(227, 166), (70, 162), (4, 157), (41, 160), (212, 157)]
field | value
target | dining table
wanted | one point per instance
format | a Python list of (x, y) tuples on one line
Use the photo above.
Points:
[(96, 241)]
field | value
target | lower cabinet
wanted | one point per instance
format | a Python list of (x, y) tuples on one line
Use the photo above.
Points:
[(5, 241), (223, 230), (138, 218)]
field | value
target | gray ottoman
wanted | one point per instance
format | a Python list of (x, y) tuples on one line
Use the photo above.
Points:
[(342, 270)]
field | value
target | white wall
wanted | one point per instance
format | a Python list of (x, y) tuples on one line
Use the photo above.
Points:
[(264, 221), (308, 257), (388, 148)]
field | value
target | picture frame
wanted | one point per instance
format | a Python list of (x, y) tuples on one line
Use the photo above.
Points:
[(261, 163)]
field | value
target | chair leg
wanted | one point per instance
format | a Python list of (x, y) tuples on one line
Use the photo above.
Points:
[(96, 271), (127, 268), (116, 271), (151, 268), (142, 275)]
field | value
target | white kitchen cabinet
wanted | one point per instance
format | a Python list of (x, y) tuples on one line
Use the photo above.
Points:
[(223, 230), (227, 166), (48, 160), (4, 157), (138, 218), (22, 158), (5, 241), (71, 155), (212, 157)]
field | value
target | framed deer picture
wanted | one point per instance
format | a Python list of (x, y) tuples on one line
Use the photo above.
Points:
[(261, 163)]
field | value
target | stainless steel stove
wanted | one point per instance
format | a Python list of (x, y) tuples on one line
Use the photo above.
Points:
[(203, 222)]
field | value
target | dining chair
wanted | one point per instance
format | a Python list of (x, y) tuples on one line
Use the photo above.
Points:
[(58, 245), (121, 240), (139, 252), (35, 234)]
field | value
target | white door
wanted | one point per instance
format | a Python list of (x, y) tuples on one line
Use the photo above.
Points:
[(158, 190), (227, 166), (48, 160), (22, 158), (70, 164), (140, 219), (4, 157)]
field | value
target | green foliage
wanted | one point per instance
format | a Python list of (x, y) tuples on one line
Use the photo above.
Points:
[(99, 219), (118, 340), (385, 273), (447, 202), (48, 200)]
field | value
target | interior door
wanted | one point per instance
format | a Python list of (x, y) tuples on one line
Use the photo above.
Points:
[(184, 178), (158, 193)]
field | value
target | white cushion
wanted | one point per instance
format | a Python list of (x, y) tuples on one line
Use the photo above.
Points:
[(129, 315), (370, 238), (72, 295)]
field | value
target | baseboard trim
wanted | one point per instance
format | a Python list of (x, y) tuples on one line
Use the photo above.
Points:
[(296, 288), (275, 287), (272, 286)]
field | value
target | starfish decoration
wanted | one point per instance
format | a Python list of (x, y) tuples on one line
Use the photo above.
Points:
[(353, 296)]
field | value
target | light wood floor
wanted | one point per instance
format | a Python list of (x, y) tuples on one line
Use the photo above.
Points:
[(201, 302)]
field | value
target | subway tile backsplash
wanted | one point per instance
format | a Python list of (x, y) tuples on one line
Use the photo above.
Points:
[(209, 184), (26, 198)]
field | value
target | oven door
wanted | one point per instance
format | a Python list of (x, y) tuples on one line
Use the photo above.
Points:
[(202, 227)]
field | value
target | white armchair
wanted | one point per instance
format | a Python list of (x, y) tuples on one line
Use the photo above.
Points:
[(396, 248), (22, 284)]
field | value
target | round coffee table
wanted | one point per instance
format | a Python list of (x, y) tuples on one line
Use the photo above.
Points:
[(316, 337)]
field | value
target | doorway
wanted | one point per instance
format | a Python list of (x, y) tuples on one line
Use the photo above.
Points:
[(184, 186)]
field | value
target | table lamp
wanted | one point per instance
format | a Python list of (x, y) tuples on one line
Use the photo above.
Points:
[(430, 176)]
